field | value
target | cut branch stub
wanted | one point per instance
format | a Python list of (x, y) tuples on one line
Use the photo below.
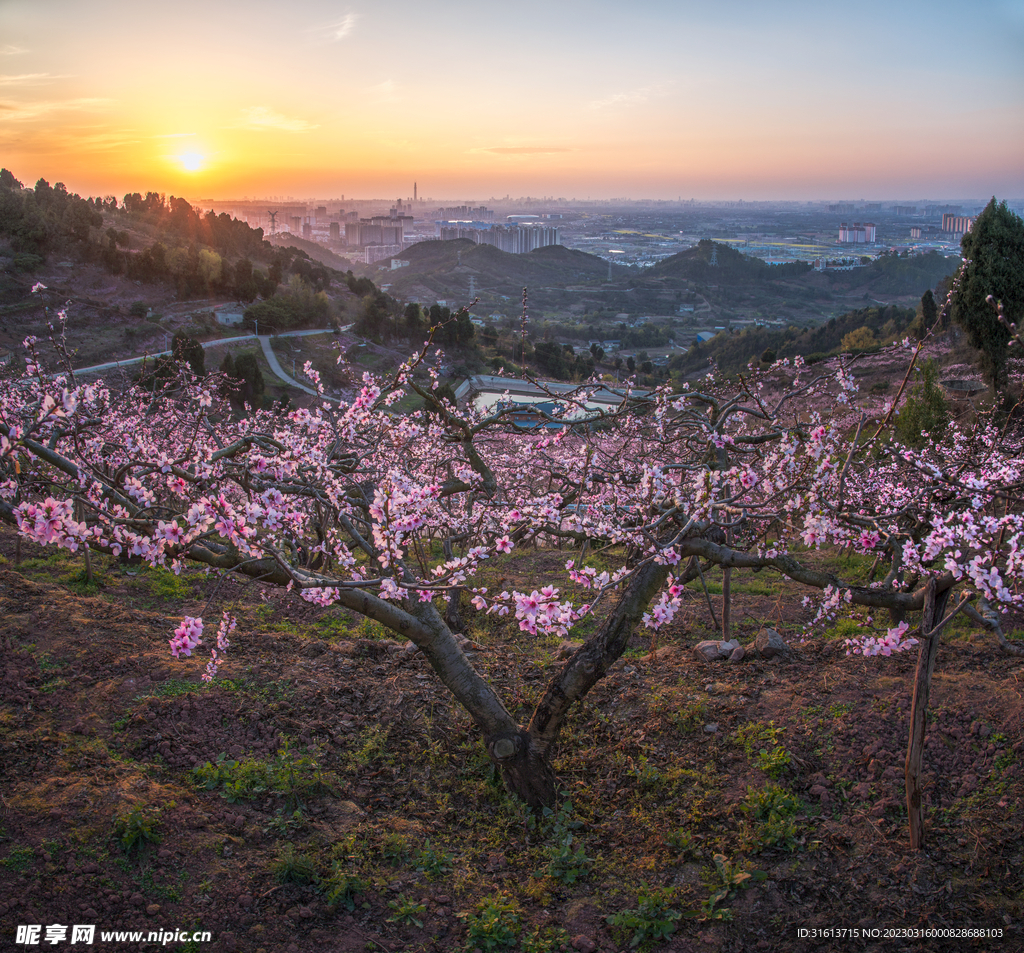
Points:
[(525, 770)]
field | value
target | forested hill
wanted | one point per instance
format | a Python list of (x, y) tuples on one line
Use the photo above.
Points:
[(552, 264), (732, 352), (151, 239), (888, 274), (904, 274), (730, 266)]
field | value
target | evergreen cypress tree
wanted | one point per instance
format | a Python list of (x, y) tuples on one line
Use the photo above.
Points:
[(993, 254)]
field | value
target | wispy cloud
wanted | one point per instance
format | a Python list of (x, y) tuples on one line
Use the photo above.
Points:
[(173, 135), (11, 50), (525, 150), (260, 118), (344, 26), (22, 112), (27, 79), (100, 141), (388, 92), (631, 97)]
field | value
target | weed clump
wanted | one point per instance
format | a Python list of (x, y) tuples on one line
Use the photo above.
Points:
[(652, 920), (136, 830)]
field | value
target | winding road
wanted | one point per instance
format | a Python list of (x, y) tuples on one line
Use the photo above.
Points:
[(264, 341)]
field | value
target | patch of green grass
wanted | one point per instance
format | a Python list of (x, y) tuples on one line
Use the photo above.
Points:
[(647, 774), (20, 858), (258, 689), (54, 685), (840, 709), (47, 663), (137, 829), (724, 881), (406, 911), (59, 558), (757, 586), (770, 756), (494, 923), (162, 583), (544, 940), (854, 567), (684, 841), (395, 849), (291, 867), (173, 688), (567, 863), (434, 862), (285, 823), (369, 629), (652, 920), (371, 746), (78, 582), (714, 586), (340, 888), (288, 775), (771, 813), (332, 625), (1004, 760), (172, 893), (690, 716)]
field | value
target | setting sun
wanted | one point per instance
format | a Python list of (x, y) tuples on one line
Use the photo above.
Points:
[(192, 161)]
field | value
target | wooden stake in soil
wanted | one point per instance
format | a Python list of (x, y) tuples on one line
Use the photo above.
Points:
[(88, 556), (918, 711), (727, 593)]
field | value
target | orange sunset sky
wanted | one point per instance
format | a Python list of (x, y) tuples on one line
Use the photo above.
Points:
[(735, 99)]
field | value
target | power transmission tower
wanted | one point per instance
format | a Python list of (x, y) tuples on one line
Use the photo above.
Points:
[(273, 221)]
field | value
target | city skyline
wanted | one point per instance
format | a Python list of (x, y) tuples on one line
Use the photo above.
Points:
[(788, 102)]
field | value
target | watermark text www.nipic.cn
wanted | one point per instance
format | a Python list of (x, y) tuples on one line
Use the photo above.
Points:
[(37, 934)]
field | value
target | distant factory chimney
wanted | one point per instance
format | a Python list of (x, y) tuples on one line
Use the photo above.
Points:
[(414, 191)]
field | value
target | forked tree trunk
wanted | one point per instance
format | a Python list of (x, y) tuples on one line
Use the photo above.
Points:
[(524, 757), (525, 767)]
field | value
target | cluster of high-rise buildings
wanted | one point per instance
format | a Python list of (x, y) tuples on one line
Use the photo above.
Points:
[(956, 225), (386, 236), (517, 239), (465, 213)]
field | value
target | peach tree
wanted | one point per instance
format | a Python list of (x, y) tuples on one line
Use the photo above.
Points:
[(345, 504)]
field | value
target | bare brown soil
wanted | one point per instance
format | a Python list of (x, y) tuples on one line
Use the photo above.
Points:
[(375, 771)]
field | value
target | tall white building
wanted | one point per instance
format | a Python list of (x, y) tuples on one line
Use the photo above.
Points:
[(857, 232)]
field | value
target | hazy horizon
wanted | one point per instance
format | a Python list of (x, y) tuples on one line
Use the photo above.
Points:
[(790, 102)]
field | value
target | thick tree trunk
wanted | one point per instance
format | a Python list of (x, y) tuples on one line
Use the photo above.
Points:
[(591, 661), (453, 610), (525, 767)]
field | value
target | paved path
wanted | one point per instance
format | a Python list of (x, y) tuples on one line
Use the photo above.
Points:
[(264, 340), (275, 366)]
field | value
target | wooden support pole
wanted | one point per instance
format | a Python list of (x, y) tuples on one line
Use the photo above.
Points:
[(918, 714), (726, 596), (80, 515)]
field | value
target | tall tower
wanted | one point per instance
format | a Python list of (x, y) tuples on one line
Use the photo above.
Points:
[(414, 191)]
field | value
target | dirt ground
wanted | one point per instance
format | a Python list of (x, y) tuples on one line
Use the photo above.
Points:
[(346, 803)]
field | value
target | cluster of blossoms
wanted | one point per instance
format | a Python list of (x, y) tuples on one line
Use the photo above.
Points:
[(892, 641), (187, 636), (353, 495), (665, 609)]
